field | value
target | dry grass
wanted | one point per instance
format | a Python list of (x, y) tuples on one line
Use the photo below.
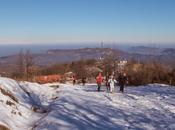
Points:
[(8, 94), (10, 103)]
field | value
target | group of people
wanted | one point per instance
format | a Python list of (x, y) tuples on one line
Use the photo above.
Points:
[(111, 82)]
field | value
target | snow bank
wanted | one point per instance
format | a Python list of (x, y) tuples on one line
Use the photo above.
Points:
[(17, 100), (14, 114)]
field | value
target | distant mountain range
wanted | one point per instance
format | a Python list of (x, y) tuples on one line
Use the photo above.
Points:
[(169, 51), (145, 50), (68, 55), (64, 55), (54, 56)]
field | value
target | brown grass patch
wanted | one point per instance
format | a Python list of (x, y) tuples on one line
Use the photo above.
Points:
[(10, 103), (8, 94)]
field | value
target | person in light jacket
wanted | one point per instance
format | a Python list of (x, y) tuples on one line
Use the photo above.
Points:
[(112, 83)]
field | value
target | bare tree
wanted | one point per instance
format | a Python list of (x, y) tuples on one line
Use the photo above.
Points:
[(24, 65), (28, 63), (19, 72), (110, 64)]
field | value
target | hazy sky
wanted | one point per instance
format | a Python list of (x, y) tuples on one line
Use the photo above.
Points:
[(56, 21)]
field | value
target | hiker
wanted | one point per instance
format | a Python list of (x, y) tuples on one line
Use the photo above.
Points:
[(99, 80), (83, 81), (74, 79), (122, 79), (112, 83)]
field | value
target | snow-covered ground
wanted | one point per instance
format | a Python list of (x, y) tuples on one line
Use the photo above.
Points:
[(22, 104), (68, 107)]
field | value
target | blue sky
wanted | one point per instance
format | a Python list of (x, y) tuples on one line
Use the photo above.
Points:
[(69, 21)]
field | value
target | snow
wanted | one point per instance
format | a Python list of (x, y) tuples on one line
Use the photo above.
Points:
[(20, 116), (83, 108), (68, 107)]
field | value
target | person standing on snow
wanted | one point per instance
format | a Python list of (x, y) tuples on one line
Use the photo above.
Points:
[(83, 80), (99, 80), (112, 83), (122, 79), (74, 79)]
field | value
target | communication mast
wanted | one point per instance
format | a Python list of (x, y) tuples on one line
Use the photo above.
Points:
[(101, 56), (102, 45)]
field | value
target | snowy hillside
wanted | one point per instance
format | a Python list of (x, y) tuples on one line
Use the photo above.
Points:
[(22, 104), (40, 107)]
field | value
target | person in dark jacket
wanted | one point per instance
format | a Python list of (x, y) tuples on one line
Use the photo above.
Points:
[(83, 80), (122, 79)]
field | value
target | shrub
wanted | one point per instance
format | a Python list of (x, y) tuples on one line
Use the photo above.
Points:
[(140, 74)]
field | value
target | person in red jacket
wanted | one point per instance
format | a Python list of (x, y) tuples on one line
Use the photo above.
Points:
[(99, 80)]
